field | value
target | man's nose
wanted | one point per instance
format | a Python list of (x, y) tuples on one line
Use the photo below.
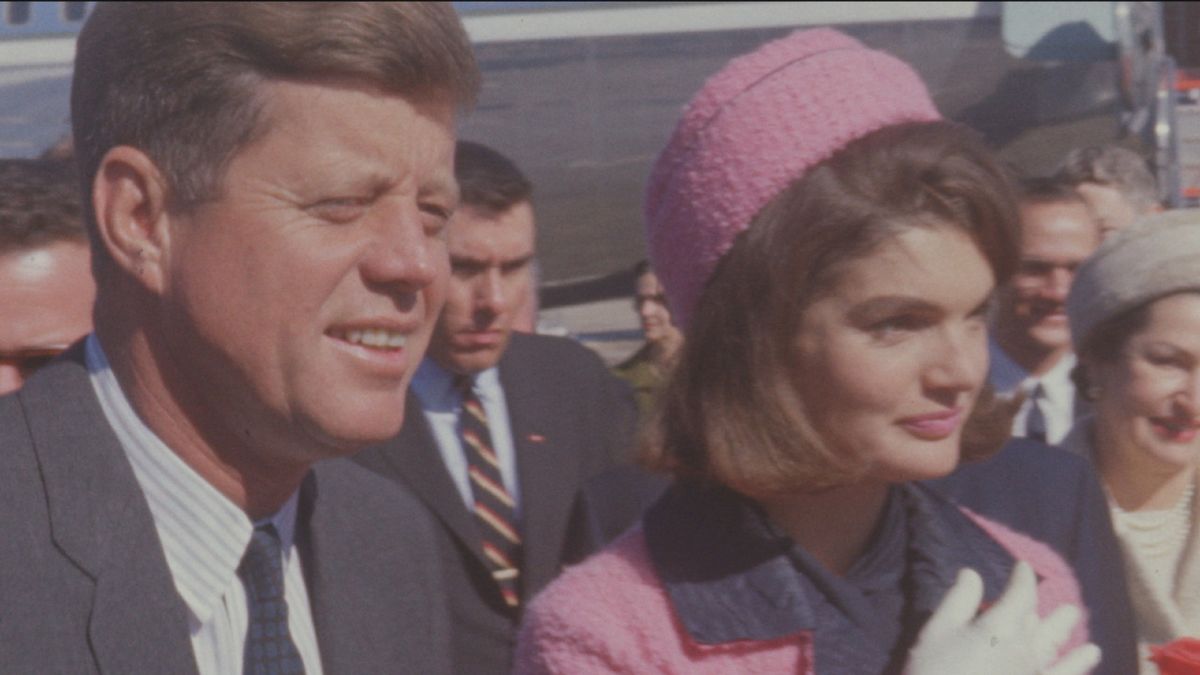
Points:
[(490, 293), (1058, 283), (404, 254)]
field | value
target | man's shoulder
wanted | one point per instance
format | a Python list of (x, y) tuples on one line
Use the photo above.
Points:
[(1025, 459), (359, 493), (1032, 487), (556, 363), (533, 346)]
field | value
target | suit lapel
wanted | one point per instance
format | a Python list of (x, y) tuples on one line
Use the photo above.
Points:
[(546, 471), (351, 640), (414, 455), (100, 520)]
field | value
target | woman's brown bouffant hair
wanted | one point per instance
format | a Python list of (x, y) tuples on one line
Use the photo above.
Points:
[(732, 412)]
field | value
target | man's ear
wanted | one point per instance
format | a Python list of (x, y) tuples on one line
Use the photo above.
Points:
[(129, 194)]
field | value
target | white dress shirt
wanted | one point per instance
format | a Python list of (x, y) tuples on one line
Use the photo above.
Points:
[(204, 536), (434, 387), (1058, 392)]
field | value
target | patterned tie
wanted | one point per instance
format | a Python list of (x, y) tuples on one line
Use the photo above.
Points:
[(1035, 423), (494, 506), (269, 646)]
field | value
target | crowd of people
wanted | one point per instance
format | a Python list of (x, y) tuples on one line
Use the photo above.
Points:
[(898, 409)]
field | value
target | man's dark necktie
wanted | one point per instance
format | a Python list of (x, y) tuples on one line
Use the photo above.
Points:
[(269, 646), (1035, 423), (494, 507)]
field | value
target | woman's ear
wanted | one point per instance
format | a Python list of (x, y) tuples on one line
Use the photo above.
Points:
[(129, 194)]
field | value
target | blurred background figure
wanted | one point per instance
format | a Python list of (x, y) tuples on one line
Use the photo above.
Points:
[(46, 285), (1031, 341), (647, 369), (1114, 181), (1135, 317)]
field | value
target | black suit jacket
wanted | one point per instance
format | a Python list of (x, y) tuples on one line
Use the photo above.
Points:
[(570, 420), (84, 583), (1055, 497)]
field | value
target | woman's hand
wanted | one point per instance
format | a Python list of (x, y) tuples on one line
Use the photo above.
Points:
[(1007, 639)]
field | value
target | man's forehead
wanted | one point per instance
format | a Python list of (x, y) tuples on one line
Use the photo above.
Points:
[(473, 231), (363, 139)]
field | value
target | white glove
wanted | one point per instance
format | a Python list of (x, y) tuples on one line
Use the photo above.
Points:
[(1007, 639)]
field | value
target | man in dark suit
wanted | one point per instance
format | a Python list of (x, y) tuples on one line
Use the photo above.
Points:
[(506, 427), (268, 185)]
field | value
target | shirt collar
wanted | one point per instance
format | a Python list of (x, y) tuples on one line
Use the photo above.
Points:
[(203, 534), (434, 386), (1008, 377)]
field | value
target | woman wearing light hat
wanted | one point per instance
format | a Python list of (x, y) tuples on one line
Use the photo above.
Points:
[(1134, 311), (829, 247)]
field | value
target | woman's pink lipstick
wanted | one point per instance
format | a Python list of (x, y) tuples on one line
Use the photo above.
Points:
[(933, 426), (1175, 430)]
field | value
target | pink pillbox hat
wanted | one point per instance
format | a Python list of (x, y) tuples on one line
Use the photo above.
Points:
[(756, 126)]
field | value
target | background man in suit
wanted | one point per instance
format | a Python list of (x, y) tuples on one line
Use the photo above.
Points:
[(1114, 181), (46, 286), (1030, 350), (509, 426), (269, 184)]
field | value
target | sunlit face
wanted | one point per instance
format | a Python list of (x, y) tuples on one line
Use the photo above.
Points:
[(491, 262), (892, 359), (1148, 403), (651, 305), (299, 303), (1111, 209), (1055, 239), (46, 297)]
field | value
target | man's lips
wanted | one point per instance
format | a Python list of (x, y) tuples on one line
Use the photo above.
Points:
[(379, 345), (933, 426), (479, 338)]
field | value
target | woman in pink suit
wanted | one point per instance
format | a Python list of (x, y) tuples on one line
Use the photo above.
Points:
[(829, 246)]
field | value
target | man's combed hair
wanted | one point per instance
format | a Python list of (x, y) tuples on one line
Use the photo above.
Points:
[(488, 180), (39, 204), (1042, 190), (733, 412), (181, 81), (1115, 167)]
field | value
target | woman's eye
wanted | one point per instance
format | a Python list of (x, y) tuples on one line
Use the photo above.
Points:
[(897, 324), (1167, 361)]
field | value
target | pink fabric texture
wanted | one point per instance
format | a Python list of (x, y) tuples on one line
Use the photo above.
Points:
[(610, 614), (757, 125)]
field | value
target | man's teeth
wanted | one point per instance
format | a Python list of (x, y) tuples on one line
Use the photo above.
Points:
[(376, 338)]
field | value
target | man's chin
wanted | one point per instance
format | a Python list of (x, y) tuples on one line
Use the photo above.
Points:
[(474, 358), (1051, 336)]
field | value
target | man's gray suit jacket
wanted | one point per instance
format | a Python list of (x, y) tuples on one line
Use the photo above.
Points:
[(84, 583), (570, 420)]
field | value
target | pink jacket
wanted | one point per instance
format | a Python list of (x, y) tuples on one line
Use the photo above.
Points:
[(612, 614)]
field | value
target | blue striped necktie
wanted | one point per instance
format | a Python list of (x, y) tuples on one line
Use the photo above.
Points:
[(494, 507), (269, 646)]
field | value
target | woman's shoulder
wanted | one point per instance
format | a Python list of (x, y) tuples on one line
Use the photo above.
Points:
[(598, 615), (612, 614), (1057, 584), (622, 568)]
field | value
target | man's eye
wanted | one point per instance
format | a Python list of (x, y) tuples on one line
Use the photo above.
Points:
[(340, 209)]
